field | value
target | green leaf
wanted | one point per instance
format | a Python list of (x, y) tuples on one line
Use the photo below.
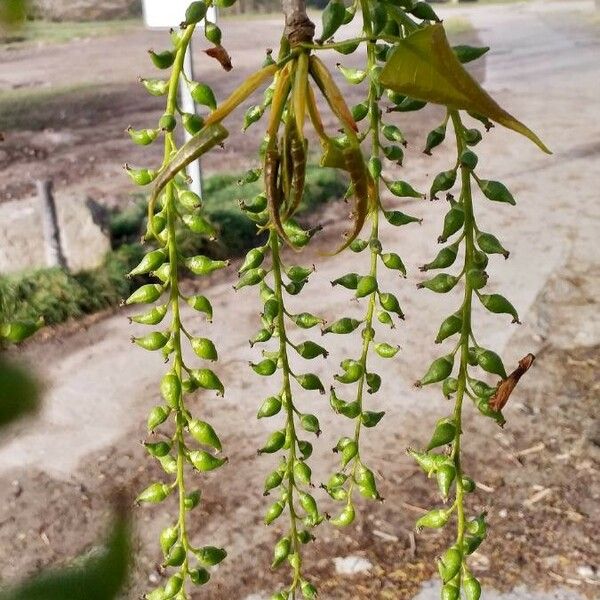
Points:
[(18, 393), (98, 576), (425, 67)]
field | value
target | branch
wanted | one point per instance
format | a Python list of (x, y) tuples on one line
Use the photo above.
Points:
[(298, 27)]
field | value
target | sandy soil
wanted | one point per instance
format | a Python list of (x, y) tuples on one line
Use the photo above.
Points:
[(539, 476)]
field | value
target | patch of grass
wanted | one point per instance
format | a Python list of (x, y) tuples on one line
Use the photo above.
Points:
[(55, 32), (57, 295)]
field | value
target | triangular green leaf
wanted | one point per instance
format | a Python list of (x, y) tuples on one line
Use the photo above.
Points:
[(424, 67)]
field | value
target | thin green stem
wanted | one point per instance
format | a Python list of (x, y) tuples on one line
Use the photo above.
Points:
[(467, 200), (289, 407)]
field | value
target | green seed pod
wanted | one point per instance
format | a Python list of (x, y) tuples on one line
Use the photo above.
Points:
[(477, 526), (490, 244), (422, 10), (486, 122), (252, 115), (199, 576), (453, 221), (157, 416), (173, 585), (347, 48), (308, 590), (373, 382), (189, 200), (468, 484), (294, 287), (353, 371), (375, 167), (440, 284), (375, 246), (477, 279), (154, 493), (366, 483), (496, 191), (212, 33), (449, 565), (450, 326), (192, 500), (449, 386), (349, 451), (360, 111), (385, 318), (394, 153), (398, 218), (445, 258), (176, 556), (471, 543), (204, 434), (270, 407), (342, 326), (308, 504), (444, 433), (480, 388), (195, 12), (305, 449), (170, 388), (402, 189), (274, 443), (206, 379), (265, 367), (332, 18), (433, 519), (392, 261), (450, 592), (311, 350), (299, 274), (468, 159), (445, 476), (141, 176), (280, 552), (349, 281), (366, 286), (197, 223), (203, 94), (201, 304), (302, 472), (272, 481), (250, 277), (473, 136), (443, 181), (386, 350), (409, 105), (371, 418), (168, 464), (309, 381), (153, 341), (158, 449), (390, 303), (471, 587), (467, 54), (310, 423), (351, 75), (167, 122), (163, 272), (489, 361), (253, 259), (210, 555), (439, 369), (358, 245), (393, 134), (346, 517), (306, 320), (146, 294), (337, 480), (202, 265), (204, 348), (162, 60), (155, 87), (142, 137), (203, 461), (434, 138), (428, 461), (499, 304), (168, 537), (192, 123), (480, 259)]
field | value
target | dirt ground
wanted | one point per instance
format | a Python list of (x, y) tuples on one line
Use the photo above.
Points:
[(538, 478)]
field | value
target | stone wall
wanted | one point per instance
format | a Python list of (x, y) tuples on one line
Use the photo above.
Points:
[(84, 10)]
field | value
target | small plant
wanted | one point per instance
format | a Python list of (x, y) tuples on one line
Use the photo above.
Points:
[(409, 63)]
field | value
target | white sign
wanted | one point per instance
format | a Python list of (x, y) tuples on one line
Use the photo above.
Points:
[(161, 14)]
